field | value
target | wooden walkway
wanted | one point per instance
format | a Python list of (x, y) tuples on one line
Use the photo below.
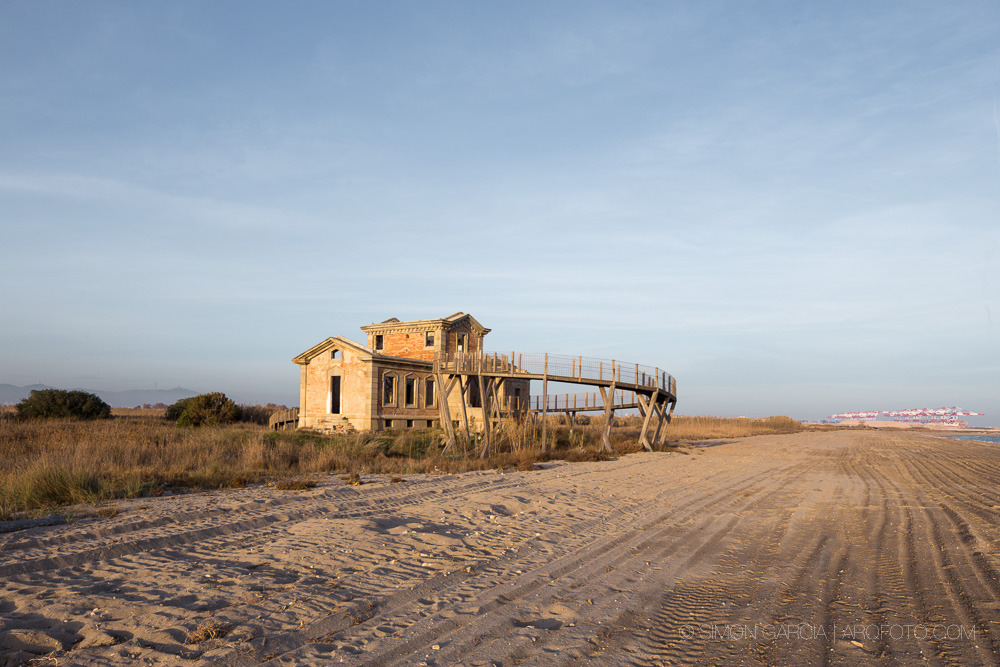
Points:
[(282, 420), (589, 402), (653, 390)]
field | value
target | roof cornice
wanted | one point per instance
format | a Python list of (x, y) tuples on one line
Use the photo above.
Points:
[(331, 342), (411, 326)]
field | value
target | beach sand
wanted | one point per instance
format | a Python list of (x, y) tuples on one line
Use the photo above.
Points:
[(840, 547)]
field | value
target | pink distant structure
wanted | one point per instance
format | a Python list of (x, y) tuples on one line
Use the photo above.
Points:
[(914, 415)]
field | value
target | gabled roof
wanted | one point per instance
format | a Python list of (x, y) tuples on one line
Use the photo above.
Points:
[(328, 344), (474, 324), (447, 322)]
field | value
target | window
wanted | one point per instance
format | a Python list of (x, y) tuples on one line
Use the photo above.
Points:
[(389, 390), (335, 354), (379, 342), (388, 423), (335, 395), (429, 339), (462, 342), (429, 392), (410, 391), (409, 423)]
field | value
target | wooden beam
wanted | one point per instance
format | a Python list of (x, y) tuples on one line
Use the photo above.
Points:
[(609, 412), (463, 386), (667, 417), (444, 413), (646, 408), (545, 401), (659, 407), (484, 401), (497, 405)]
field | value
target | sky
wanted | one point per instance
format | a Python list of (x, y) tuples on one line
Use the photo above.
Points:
[(792, 207)]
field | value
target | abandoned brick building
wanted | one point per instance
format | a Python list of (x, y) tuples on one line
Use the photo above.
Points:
[(390, 382)]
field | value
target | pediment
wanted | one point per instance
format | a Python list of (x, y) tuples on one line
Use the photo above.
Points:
[(330, 343)]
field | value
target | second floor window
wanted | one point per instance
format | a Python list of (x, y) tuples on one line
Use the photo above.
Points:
[(463, 342), (429, 339), (379, 342)]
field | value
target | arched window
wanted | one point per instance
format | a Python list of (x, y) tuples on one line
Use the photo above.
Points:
[(410, 391), (389, 389), (429, 392)]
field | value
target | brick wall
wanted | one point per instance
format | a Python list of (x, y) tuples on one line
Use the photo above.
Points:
[(409, 345)]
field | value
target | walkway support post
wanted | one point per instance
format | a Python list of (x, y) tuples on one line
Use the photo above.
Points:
[(463, 386), (646, 407), (444, 413), (484, 400), (667, 417), (660, 408), (609, 414), (545, 400)]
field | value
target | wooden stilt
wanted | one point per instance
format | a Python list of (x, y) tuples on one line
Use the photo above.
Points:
[(658, 407), (667, 417), (444, 412), (609, 413), (484, 400), (463, 385), (545, 400), (496, 410), (646, 407)]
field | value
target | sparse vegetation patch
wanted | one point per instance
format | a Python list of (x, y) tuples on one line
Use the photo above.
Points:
[(46, 464)]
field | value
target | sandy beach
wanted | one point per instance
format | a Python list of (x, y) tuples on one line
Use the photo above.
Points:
[(840, 547)]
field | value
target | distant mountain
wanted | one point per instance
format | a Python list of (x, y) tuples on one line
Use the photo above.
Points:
[(11, 395)]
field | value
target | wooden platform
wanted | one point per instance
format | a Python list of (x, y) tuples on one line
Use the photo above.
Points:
[(654, 392)]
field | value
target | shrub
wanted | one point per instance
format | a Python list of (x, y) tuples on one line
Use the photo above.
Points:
[(57, 403), (207, 409), (257, 414), (175, 410)]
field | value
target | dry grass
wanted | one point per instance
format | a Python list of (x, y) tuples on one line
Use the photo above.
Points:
[(138, 412), (295, 484), (210, 629), (709, 428), (48, 464)]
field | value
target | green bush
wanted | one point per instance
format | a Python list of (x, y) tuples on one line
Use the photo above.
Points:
[(175, 411), (257, 414), (208, 409), (57, 403)]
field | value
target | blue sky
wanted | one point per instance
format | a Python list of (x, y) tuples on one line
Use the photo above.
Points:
[(792, 207)]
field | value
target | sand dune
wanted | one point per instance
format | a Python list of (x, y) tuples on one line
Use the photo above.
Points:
[(820, 548)]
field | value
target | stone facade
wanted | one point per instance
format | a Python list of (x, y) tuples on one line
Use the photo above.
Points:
[(390, 383)]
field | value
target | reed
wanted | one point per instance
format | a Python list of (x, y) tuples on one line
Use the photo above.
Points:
[(694, 428), (50, 463)]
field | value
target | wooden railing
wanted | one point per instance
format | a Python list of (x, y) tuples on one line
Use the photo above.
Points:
[(582, 402), (556, 367), (280, 418)]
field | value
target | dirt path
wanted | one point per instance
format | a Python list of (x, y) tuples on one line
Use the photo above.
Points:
[(847, 547)]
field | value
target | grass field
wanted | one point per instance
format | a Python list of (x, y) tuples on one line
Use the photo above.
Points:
[(50, 463)]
